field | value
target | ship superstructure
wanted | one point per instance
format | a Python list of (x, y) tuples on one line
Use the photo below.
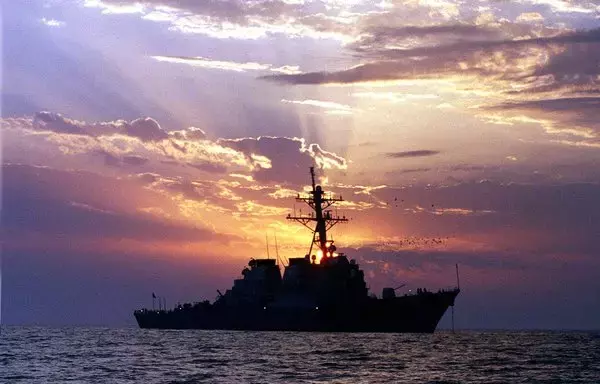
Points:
[(321, 291)]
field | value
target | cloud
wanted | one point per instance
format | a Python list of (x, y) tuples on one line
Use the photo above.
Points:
[(290, 158), (330, 106), (408, 171), (52, 22), (462, 57), (343, 21), (56, 123), (120, 161), (148, 177), (78, 205), (575, 69), (145, 129), (381, 36), (568, 6), (233, 11), (508, 64), (203, 62), (134, 160), (126, 143), (579, 116), (117, 7), (252, 208), (452, 211), (144, 143), (283, 193), (247, 178), (530, 17), (241, 19), (190, 133), (586, 107), (416, 153), (209, 167), (394, 97), (325, 159)]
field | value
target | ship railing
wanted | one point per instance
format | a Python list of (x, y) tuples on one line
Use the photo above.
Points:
[(146, 310), (448, 288), (425, 291)]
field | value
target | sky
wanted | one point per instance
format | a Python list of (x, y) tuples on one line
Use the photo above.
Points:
[(154, 146)]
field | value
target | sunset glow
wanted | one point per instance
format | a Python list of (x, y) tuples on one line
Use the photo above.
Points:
[(166, 139)]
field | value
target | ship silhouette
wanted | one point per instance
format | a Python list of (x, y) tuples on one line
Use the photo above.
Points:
[(326, 295)]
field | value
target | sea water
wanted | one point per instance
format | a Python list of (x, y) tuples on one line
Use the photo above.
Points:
[(130, 355)]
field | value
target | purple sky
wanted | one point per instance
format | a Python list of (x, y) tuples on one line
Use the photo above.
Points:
[(150, 146)]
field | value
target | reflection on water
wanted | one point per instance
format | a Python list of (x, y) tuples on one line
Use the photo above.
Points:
[(39, 355)]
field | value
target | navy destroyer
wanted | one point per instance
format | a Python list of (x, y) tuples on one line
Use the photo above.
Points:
[(327, 294)]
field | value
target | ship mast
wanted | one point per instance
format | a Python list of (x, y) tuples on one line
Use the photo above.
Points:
[(319, 203)]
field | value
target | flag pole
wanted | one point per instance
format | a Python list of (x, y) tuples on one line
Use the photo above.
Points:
[(267, 237), (457, 278)]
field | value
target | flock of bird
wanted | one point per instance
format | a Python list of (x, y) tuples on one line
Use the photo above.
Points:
[(417, 241), (396, 202)]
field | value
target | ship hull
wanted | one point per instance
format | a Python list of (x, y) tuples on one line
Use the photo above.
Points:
[(411, 313)]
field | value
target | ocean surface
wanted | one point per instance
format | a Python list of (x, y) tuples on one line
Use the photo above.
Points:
[(130, 355)]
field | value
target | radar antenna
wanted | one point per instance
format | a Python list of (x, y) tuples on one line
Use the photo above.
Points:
[(319, 202)]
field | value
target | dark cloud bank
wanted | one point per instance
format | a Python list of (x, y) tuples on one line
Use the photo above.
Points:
[(416, 153), (564, 88), (65, 284), (550, 285)]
